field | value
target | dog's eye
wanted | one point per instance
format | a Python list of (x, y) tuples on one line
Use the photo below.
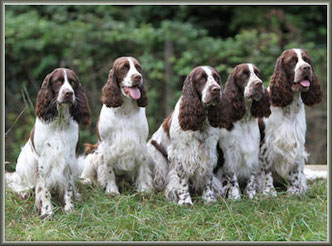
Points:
[(245, 73), (294, 60), (204, 77), (125, 67), (258, 74), (306, 59), (58, 83), (72, 82), (216, 78), (138, 68)]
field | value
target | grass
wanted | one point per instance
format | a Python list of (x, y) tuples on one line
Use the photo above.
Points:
[(150, 217)]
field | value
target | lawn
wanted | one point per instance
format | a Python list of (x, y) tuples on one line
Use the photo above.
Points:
[(150, 217)]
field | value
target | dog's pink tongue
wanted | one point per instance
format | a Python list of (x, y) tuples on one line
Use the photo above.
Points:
[(305, 83), (135, 93)]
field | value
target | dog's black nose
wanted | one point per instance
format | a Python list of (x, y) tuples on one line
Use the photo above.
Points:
[(137, 77), (306, 68), (216, 89), (258, 83), (69, 93)]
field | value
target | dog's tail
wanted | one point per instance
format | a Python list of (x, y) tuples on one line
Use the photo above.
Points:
[(90, 148), (160, 148)]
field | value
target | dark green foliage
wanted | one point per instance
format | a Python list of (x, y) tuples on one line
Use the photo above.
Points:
[(168, 41)]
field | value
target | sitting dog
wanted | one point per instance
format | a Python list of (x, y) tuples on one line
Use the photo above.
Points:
[(48, 160)]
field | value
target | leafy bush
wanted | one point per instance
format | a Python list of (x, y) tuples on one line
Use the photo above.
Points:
[(87, 39)]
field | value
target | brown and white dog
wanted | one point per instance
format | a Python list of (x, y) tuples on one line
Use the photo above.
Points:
[(48, 160), (184, 147), (122, 131), (293, 85), (248, 100)]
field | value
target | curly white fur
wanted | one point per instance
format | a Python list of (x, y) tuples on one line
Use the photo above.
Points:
[(283, 150), (50, 165), (121, 149)]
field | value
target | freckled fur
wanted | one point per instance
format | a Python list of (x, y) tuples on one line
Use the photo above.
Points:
[(240, 144), (282, 151), (190, 141), (48, 161)]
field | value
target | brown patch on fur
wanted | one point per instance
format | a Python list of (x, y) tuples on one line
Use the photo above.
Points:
[(32, 133), (44, 98), (160, 148), (221, 159), (192, 113), (261, 126), (143, 101), (81, 109), (167, 124), (97, 129), (111, 92), (234, 105), (78, 143), (314, 95), (261, 108), (280, 87), (90, 148)]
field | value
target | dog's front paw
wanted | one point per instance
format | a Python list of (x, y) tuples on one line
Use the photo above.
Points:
[(112, 190), (270, 191), (234, 193), (69, 207), (185, 200), (159, 183), (251, 193), (292, 190), (46, 212), (144, 188), (209, 197)]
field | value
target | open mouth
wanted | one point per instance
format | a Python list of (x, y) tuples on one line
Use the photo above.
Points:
[(305, 83), (133, 92)]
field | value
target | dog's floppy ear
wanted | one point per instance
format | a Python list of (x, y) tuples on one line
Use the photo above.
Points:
[(235, 98), (44, 108), (111, 92), (281, 93), (192, 114), (143, 101), (314, 95), (81, 109), (261, 108)]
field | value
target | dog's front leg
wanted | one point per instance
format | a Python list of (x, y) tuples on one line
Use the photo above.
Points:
[(43, 200)]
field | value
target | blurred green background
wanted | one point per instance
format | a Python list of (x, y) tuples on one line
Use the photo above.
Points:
[(168, 41)]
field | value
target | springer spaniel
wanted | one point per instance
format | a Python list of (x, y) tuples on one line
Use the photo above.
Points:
[(184, 147), (122, 131), (48, 160), (239, 157), (282, 154)]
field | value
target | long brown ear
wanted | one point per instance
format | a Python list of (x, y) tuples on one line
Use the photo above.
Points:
[(81, 110), (235, 97), (144, 100), (215, 113), (192, 114), (261, 108), (314, 95), (218, 115), (280, 88), (45, 109), (111, 92)]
